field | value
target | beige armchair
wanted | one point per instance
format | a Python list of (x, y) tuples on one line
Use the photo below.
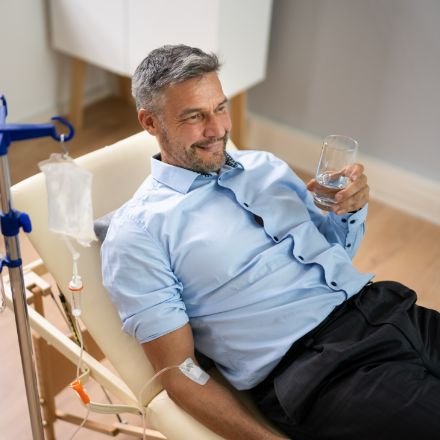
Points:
[(118, 170)]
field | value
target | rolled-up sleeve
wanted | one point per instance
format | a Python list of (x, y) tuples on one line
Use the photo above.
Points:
[(136, 273)]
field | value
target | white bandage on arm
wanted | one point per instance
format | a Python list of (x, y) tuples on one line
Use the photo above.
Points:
[(193, 371)]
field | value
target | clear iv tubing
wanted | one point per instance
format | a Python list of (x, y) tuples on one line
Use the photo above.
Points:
[(75, 287), (81, 342), (75, 284), (78, 368), (142, 391), (82, 423)]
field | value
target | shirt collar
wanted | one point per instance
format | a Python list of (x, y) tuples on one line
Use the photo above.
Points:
[(181, 179)]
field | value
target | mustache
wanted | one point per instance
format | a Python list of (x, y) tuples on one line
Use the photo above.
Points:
[(224, 139)]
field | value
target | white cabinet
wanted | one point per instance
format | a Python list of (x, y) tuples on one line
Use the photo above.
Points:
[(117, 34)]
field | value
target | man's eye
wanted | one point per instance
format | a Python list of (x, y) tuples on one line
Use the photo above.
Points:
[(194, 117), (221, 109)]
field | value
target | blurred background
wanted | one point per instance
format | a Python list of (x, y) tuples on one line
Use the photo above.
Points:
[(365, 68)]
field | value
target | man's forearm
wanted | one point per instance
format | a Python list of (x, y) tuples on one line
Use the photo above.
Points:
[(211, 404), (217, 408)]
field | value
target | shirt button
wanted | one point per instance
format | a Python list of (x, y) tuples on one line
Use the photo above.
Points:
[(275, 238), (245, 204), (349, 245), (334, 284), (301, 257), (352, 221), (344, 220)]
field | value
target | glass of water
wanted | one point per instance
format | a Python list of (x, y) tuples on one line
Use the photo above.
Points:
[(337, 152)]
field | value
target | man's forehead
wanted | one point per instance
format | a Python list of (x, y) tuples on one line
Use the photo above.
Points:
[(194, 94)]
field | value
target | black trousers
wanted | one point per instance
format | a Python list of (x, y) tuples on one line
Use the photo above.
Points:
[(370, 371)]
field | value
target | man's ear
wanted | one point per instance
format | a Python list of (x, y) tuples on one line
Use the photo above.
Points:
[(148, 121)]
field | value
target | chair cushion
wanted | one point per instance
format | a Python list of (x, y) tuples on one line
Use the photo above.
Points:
[(101, 225)]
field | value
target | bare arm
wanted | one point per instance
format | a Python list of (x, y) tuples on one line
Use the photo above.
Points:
[(211, 404)]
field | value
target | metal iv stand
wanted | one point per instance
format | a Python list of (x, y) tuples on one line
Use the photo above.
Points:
[(10, 222)]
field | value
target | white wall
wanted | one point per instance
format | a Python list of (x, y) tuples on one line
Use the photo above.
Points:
[(366, 68), (34, 78)]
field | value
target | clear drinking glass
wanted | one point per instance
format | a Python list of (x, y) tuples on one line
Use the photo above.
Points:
[(338, 151)]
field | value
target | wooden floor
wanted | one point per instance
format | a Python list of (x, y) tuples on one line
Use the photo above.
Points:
[(397, 247)]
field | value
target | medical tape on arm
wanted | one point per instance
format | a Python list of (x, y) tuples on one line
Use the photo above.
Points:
[(193, 371), (187, 367)]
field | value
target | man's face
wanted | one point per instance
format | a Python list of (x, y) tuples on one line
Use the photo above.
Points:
[(193, 124)]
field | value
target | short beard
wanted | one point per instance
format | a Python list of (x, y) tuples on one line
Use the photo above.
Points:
[(189, 159), (206, 167)]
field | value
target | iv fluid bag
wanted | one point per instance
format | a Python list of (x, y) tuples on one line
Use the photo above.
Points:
[(69, 196)]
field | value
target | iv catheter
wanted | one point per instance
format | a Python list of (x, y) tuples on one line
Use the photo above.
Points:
[(11, 221)]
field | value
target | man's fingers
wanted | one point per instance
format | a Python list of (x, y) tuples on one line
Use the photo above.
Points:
[(311, 185), (354, 202), (354, 196), (354, 171), (352, 188)]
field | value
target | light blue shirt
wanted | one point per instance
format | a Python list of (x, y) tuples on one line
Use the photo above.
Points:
[(187, 248)]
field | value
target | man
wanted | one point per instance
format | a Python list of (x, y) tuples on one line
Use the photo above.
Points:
[(226, 253)]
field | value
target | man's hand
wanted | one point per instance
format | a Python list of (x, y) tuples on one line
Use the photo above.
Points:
[(354, 196)]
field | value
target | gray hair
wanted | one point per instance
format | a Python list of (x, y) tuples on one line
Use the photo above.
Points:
[(165, 66)]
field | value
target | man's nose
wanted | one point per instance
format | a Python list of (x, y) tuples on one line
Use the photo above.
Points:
[(215, 127)]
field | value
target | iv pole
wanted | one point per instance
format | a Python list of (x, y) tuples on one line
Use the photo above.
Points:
[(10, 222)]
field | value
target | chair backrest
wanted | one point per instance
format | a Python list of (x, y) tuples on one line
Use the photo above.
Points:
[(118, 170)]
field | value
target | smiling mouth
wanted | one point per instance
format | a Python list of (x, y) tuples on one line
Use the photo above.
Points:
[(211, 145)]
